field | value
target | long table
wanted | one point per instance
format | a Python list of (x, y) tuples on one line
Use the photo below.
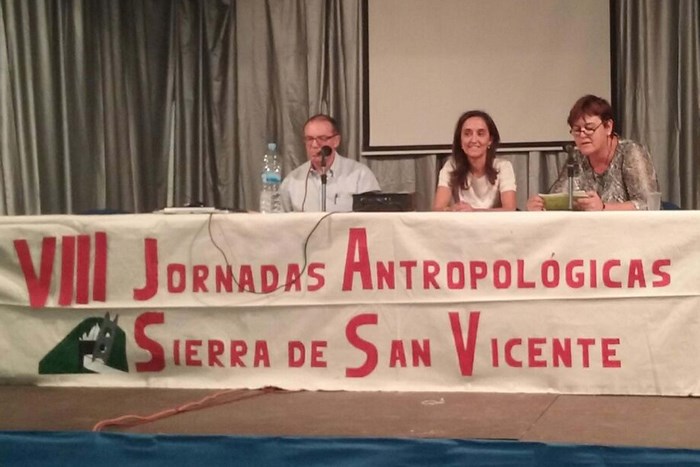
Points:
[(564, 302)]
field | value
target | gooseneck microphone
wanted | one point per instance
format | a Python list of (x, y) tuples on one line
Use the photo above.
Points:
[(325, 152), (570, 165)]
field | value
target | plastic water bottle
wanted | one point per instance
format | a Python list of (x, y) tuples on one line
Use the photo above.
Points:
[(271, 179)]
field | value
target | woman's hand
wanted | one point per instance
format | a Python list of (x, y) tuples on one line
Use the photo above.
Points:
[(462, 206), (535, 203), (591, 202)]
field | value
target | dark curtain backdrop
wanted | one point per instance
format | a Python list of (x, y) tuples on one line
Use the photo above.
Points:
[(138, 104), (658, 88), (86, 88)]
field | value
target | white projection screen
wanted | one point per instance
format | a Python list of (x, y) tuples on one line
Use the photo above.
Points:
[(525, 62)]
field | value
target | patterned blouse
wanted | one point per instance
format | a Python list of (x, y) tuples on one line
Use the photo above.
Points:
[(629, 177)]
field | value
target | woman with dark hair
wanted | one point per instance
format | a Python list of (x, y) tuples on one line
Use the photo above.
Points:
[(616, 174), (473, 179)]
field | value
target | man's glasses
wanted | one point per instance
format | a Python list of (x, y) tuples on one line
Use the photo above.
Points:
[(320, 140), (584, 130)]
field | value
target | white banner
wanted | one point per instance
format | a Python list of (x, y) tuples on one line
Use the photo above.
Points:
[(497, 302)]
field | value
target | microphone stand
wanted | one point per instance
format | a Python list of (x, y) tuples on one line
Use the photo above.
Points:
[(325, 152), (570, 174), (324, 180)]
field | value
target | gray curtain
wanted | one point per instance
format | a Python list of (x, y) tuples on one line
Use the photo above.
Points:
[(658, 89), (132, 105), (83, 93)]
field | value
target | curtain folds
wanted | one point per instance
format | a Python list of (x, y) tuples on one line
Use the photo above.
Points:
[(134, 105), (203, 105), (658, 89), (84, 99)]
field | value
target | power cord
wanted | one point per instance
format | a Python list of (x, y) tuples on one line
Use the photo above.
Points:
[(211, 400)]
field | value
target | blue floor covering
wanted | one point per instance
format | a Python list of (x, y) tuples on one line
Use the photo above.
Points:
[(116, 449)]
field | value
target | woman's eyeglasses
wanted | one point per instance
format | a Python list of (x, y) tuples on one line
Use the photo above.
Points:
[(584, 130)]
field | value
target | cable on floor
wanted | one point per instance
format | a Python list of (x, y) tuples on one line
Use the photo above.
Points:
[(211, 400)]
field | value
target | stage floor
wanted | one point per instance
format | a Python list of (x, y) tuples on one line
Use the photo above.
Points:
[(603, 420)]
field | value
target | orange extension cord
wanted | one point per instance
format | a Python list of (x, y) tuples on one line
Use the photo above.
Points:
[(211, 400)]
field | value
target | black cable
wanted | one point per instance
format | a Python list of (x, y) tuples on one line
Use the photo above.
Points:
[(306, 187), (286, 284), (560, 173)]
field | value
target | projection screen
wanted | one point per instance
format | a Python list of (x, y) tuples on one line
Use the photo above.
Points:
[(524, 62)]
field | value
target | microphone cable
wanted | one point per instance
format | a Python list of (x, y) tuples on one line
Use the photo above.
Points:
[(569, 155), (284, 285), (306, 188)]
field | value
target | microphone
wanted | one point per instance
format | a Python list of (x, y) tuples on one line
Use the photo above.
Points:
[(569, 149), (570, 165), (325, 152)]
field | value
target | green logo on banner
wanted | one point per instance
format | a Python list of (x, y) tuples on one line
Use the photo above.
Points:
[(96, 345)]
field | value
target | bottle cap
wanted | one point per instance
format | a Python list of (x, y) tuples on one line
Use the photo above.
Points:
[(271, 147)]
